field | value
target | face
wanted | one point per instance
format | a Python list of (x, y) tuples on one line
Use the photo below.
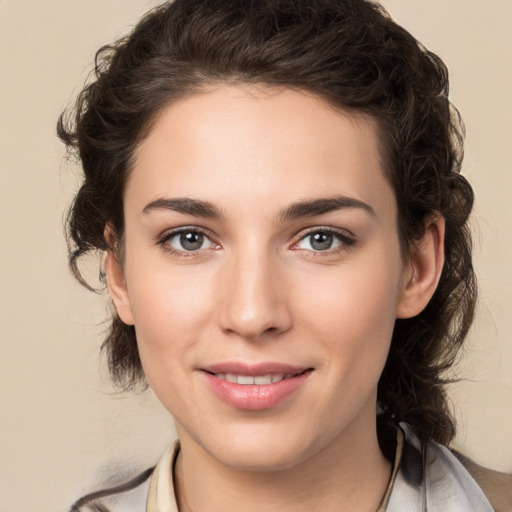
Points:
[(262, 272)]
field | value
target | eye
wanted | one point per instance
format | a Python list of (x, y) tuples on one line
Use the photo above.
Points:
[(188, 240), (322, 240)]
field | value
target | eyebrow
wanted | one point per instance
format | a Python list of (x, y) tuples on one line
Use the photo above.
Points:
[(306, 208), (185, 205), (320, 206)]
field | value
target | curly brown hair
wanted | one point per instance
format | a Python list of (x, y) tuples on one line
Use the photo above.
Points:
[(351, 54)]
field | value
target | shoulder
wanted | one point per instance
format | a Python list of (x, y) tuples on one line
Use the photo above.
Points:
[(496, 485), (128, 497), (432, 477)]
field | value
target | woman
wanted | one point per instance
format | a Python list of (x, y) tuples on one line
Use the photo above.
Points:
[(276, 188)]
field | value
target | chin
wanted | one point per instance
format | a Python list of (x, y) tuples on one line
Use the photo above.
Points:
[(259, 459), (258, 450)]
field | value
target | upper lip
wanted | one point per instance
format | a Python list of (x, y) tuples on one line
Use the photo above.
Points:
[(256, 369)]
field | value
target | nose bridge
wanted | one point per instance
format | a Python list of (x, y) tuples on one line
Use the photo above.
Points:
[(252, 291)]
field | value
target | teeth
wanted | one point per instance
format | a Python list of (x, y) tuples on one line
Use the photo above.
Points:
[(245, 379), (261, 380)]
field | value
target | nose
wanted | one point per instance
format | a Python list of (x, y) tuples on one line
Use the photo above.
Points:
[(253, 297)]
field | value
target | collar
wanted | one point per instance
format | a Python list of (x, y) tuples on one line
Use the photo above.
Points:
[(430, 479), (426, 477), (161, 495)]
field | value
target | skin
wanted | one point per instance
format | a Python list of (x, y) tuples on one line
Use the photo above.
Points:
[(258, 290)]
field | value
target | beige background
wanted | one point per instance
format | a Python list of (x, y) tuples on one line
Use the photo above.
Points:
[(63, 429)]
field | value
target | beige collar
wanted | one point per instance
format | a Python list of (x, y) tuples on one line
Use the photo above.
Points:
[(161, 495)]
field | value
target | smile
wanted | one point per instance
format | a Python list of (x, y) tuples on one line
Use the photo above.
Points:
[(255, 387), (261, 380)]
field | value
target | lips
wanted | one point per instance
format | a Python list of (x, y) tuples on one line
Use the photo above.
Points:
[(254, 387), (261, 380)]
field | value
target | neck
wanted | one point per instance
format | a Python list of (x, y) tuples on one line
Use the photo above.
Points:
[(349, 473)]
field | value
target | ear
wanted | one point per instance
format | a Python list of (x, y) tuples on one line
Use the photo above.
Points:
[(116, 281), (423, 269)]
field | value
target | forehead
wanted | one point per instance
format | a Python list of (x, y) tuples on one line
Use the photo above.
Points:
[(257, 142)]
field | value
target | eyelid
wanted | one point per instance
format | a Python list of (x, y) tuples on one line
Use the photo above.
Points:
[(171, 233), (326, 229), (346, 238)]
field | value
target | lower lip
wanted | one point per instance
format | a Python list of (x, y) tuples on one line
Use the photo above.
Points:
[(255, 397)]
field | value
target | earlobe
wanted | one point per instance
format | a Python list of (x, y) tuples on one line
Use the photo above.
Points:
[(117, 286), (424, 269)]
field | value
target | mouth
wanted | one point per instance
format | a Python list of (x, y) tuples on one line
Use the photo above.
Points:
[(255, 387), (259, 380)]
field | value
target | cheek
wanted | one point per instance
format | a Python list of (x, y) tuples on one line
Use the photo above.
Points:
[(350, 298), (352, 312), (169, 314), (356, 334), (170, 306)]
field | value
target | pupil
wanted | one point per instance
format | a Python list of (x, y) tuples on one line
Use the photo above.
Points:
[(321, 241), (191, 241)]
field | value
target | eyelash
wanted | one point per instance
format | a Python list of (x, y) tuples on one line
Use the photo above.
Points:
[(345, 241), (182, 253)]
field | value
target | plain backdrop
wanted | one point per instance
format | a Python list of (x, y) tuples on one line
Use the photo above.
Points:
[(63, 428)]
